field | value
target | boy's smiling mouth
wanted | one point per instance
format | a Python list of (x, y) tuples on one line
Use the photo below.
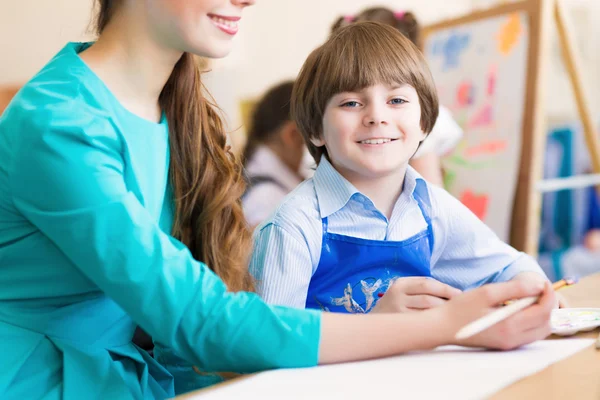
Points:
[(376, 141)]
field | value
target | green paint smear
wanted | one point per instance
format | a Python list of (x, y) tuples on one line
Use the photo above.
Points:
[(462, 162), (449, 179)]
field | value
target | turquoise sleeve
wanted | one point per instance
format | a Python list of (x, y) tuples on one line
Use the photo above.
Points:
[(185, 378), (68, 182)]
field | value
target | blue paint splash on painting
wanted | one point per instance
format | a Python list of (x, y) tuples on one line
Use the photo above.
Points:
[(451, 48)]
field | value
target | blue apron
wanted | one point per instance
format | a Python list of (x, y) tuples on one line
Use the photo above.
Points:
[(353, 272)]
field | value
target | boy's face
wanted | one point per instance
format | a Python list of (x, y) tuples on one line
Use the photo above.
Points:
[(373, 132)]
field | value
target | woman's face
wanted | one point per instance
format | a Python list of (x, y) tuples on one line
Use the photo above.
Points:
[(202, 27)]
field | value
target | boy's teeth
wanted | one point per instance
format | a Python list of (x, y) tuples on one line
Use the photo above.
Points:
[(376, 141)]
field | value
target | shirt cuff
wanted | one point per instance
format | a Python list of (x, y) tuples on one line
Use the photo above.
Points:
[(523, 263)]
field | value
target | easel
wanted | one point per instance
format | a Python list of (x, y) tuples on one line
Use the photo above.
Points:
[(526, 209), (530, 193)]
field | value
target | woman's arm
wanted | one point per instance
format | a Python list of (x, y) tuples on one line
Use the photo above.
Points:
[(355, 337), (69, 183)]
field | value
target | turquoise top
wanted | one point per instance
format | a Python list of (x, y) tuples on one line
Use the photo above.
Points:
[(85, 254)]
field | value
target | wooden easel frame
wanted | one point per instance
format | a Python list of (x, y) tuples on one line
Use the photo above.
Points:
[(526, 215)]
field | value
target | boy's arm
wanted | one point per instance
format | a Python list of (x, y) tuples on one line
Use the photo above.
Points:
[(467, 253), (281, 264), (530, 276)]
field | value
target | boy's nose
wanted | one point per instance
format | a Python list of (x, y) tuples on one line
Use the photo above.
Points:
[(374, 119), (375, 114)]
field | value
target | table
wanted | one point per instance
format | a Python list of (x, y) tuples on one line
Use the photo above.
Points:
[(575, 378)]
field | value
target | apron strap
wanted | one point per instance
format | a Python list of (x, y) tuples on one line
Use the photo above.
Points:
[(422, 196)]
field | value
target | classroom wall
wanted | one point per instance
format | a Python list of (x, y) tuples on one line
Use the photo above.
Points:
[(32, 31), (296, 27), (277, 35)]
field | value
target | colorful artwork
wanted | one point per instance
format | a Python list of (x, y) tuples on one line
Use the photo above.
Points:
[(460, 158), (509, 34), (491, 86), (465, 94), (460, 116), (568, 321), (451, 48), (483, 117), (478, 204), (482, 66), (449, 178), (487, 148)]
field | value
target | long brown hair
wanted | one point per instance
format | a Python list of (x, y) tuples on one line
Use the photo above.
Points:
[(205, 175)]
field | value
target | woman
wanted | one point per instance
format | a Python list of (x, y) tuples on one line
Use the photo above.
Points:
[(117, 189)]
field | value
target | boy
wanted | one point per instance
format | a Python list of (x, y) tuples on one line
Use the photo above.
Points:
[(364, 102)]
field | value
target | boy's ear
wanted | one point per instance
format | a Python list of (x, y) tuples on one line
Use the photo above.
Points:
[(317, 141)]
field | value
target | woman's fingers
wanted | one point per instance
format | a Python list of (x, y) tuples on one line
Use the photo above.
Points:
[(537, 314), (429, 286), (423, 302)]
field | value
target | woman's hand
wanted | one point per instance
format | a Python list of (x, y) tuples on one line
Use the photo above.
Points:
[(526, 326)]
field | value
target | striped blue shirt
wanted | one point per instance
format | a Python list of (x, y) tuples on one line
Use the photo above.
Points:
[(287, 246)]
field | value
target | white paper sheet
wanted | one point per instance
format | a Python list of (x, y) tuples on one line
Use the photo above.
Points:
[(449, 372)]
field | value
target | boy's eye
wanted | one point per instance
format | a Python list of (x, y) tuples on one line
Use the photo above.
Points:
[(398, 101), (351, 104)]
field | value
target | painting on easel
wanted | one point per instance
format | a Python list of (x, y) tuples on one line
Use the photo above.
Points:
[(480, 69), (489, 67)]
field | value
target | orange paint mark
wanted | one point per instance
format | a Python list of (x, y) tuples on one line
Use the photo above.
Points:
[(478, 204), (493, 147), (509, 34)]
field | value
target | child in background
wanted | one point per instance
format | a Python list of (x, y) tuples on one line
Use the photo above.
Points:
[(364, 102), (584, 259), (446, 133), (273, 154)]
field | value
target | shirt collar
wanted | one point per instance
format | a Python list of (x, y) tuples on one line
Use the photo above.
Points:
[(334, 191), (411, 179)]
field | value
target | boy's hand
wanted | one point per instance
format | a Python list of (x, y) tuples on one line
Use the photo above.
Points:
[(415, 294)]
